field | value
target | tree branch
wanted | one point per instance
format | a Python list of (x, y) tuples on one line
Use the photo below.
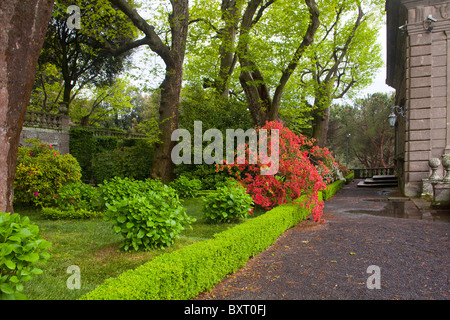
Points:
[(308, 39), (154, 41)]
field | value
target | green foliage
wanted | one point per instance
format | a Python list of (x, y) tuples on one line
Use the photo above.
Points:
[(78, 196), (186, 187), (134, 161), (185, 273), (147, 214), (82, 146), (332, 188), (21, 250), (69, 214), (207, 174), (212, 110), (105, 143), (371, 140), (96, 104), (227, 204), (41, 171), (103, 157)]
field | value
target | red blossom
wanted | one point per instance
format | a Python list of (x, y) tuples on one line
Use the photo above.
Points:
[(296, 176)]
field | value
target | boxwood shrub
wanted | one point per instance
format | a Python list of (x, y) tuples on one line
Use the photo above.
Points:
[(185, 273), (331, 189)]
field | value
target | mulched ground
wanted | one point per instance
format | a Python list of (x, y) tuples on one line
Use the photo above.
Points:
[(330, 260)]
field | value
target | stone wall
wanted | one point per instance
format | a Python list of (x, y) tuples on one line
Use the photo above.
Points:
[(423, 89), (49, 128)]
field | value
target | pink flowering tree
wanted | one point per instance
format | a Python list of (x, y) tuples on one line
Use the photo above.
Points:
[(301, 171)]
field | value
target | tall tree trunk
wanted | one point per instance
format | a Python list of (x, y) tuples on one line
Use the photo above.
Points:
[(320, 127), (262, 107), (173, 57), (231, 16), (22, 29), (163, 165)]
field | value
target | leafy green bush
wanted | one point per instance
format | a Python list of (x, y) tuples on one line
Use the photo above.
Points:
[(133, 161), (207, 174), (228, 203), (41, 171), (20, 251), (186, 187), (117, 189), (152, 217), (78, 195), (69, 214), (82, 146)]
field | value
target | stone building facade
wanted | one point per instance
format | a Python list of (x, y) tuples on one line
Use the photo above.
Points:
[(418, 67)]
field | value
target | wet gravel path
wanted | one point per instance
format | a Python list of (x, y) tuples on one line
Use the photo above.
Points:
[(330, 260)]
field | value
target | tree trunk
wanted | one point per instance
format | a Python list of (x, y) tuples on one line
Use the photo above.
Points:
[(23, 25), (163, 165), (262, 107), (320, 127), (230, 15)]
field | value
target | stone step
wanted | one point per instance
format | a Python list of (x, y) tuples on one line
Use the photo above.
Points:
[(371, 181), (384, 177), (377, 185)]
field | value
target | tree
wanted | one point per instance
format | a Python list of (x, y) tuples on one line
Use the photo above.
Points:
[(22, 29), (172, 54), (79, 54), (371, 137), (344, 58), (238, 42), (281, 73), (102, 102)]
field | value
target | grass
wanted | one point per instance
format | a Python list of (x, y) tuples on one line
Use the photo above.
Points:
[(93, 246)]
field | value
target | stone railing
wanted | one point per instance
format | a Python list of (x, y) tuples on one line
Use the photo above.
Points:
[(37, 119), (54, 129), (369, 173), (436, 187)]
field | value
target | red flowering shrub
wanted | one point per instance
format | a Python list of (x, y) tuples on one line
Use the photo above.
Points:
[(297, 175)]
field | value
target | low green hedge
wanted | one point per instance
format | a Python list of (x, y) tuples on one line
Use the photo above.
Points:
[(331, 189), (349, 178), (187, 272)]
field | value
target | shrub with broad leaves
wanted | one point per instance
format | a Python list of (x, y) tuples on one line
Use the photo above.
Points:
[(227, 204), (21, 250), (147, 214), (186, 187)]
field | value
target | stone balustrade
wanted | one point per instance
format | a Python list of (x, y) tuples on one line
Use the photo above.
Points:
[(436, 187)]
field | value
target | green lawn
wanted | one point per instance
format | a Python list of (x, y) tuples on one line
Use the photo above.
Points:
[(92, 245)]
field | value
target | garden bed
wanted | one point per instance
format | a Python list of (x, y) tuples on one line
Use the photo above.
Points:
[(185, 273), (94, 247)]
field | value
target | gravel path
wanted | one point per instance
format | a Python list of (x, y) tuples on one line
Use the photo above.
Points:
[(330, 260)]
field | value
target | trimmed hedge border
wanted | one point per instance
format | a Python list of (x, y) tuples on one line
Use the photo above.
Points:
[(331, 189), (185, 273), (349, 178)]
